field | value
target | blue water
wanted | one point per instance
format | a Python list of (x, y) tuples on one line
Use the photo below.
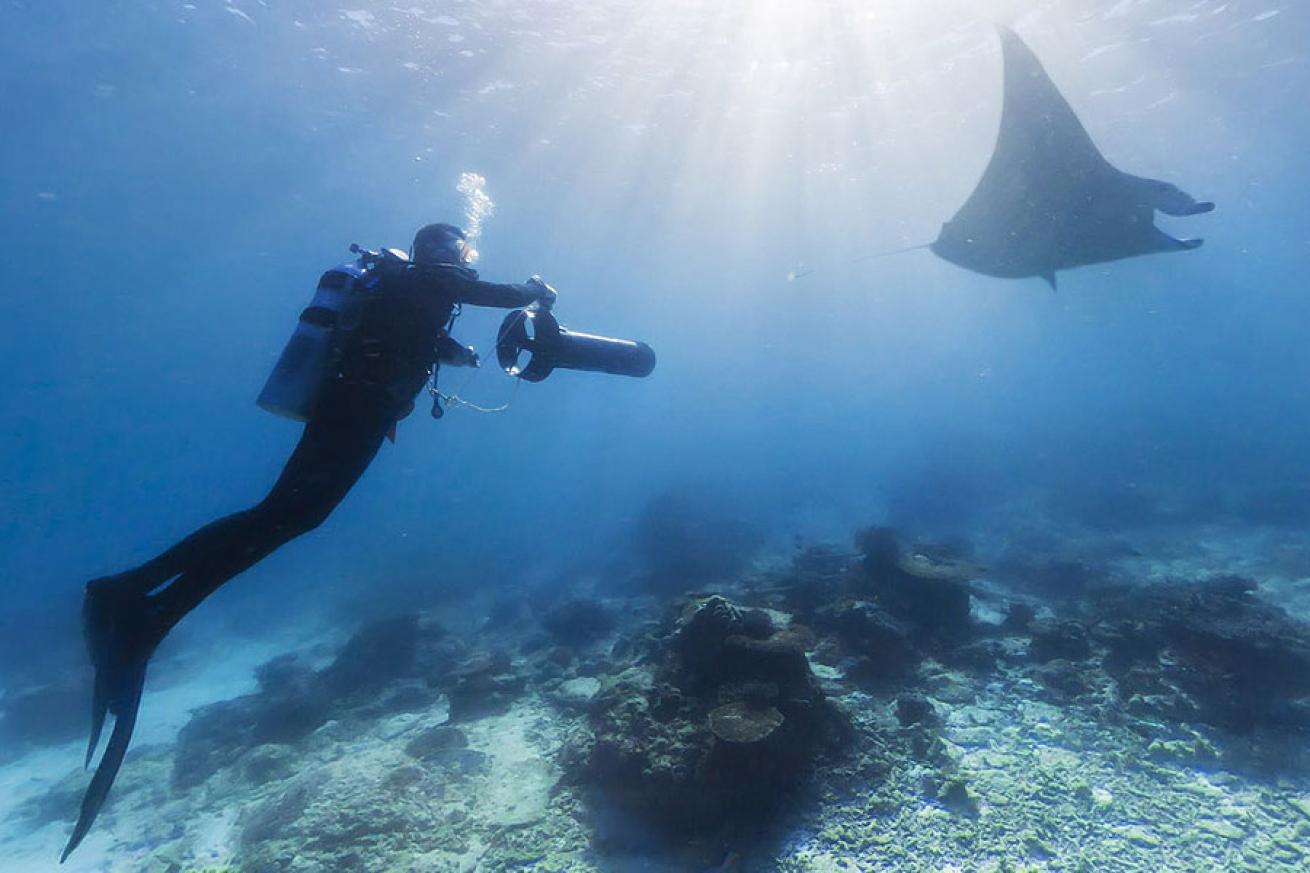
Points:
[(176, 175)]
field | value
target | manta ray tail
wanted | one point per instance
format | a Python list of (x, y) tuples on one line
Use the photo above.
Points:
[(802, 273), (876, 255)]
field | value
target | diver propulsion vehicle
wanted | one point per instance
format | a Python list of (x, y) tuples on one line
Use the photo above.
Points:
[(324, 330), (551, 346)]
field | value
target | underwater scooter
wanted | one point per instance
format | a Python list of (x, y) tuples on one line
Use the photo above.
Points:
[(551, 347)]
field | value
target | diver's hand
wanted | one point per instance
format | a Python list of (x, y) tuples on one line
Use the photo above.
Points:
[(546, 295)]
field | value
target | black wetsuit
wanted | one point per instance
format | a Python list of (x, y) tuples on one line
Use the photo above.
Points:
[(380, 373)]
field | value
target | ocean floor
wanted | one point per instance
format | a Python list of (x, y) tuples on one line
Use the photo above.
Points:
[(40, 780), (815, 717)]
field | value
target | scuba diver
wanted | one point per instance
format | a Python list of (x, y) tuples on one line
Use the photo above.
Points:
[(365, 347)]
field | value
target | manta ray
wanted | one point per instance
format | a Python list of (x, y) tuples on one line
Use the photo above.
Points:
[(1048, 199)]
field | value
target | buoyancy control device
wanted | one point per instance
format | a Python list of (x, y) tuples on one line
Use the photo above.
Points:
[(323, 331)]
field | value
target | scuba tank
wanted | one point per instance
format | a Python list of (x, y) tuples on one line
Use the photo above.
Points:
[(552, 346), (310, 357)]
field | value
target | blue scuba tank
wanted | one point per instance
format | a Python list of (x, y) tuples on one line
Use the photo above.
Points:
[(310, 358)]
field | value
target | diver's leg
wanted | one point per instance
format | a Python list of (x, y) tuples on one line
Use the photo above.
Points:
[(124, 627), (230, 531), (336, 431), (124, 624), (335, 451), (186, 553)]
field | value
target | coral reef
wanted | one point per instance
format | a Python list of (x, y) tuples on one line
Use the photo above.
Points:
[(1210, 651), (392, 665), (925, 585), (705, 739), (895, 707), (578, 621)]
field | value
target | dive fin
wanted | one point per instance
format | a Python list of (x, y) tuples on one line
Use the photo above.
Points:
[(99, 707), (121, 634), (1050, 280), (98, 791), (102, 626)]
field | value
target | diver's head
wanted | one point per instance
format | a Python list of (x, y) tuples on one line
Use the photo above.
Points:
[(442, 244)]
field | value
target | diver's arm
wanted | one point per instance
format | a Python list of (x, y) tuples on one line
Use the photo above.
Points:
[(479, 293), (502, 296)]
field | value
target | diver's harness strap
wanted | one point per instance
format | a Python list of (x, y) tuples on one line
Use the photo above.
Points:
[(451, 351), (444, 337), (446, 349)]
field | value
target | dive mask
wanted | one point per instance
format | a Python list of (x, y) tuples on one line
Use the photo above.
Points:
[(446, 250)]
